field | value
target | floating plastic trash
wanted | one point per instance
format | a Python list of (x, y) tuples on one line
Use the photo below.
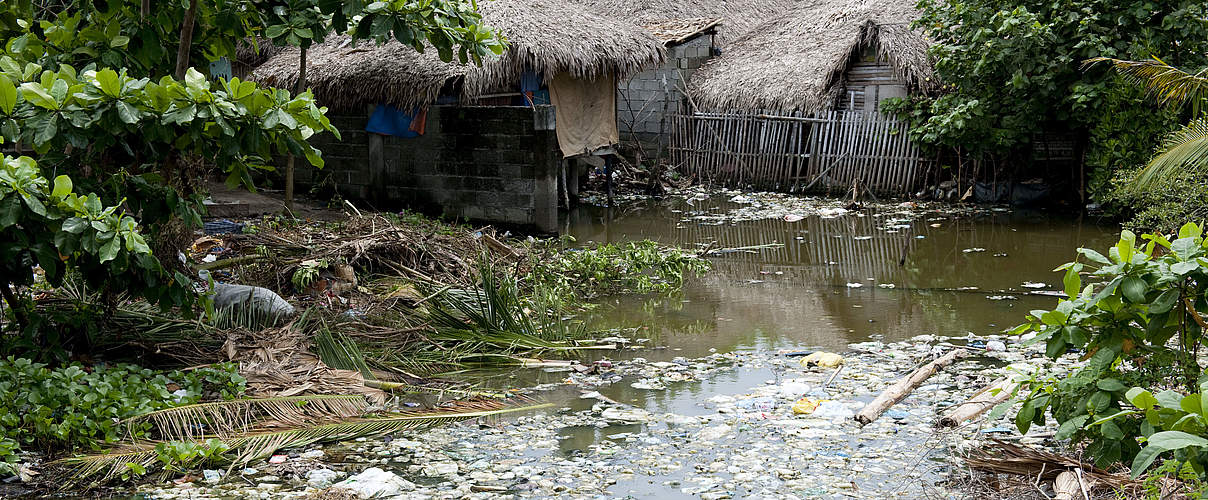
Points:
[(805, 406), (822, 359)]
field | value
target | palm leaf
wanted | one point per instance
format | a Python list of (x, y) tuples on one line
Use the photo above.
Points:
[(1184, 150), (223, 419), (263, 442), (1167, 85)]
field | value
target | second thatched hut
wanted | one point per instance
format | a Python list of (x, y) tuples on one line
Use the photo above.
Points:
[(480, 142), (795, 104)]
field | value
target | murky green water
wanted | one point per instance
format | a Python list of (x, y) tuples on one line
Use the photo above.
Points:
[(942, 269)]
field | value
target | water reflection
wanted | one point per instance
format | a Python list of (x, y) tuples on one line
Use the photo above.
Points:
[(826, 284)]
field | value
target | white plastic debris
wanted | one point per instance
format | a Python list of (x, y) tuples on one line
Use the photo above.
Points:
[(376, 482)]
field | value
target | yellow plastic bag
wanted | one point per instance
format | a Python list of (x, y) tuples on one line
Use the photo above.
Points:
[(805, 406), (822, 359)]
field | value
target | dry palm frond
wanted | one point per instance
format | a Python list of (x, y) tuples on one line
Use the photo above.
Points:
[(1167, 85), (223, 419), (1185, 149), (260, 445), (263, 442), (1007, 458)]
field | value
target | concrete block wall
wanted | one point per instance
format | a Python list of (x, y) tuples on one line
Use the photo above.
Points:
[(640, 100), (492, 164)]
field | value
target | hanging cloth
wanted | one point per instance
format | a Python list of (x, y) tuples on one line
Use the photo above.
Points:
[(389, 120), (585, 113)]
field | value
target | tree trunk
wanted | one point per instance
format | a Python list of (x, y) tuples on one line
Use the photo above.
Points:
[(186, 41), (14, 304), (299, 87), (145, 10)]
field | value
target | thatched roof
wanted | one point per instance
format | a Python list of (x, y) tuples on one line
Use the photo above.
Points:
[(549, 37), (738, 17), (677, 31), (798, 64)]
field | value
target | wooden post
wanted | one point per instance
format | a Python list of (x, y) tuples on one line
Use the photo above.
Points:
[(903, 387), (608, 162)]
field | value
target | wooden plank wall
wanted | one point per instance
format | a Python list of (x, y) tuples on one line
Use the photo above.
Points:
[(794, 153)]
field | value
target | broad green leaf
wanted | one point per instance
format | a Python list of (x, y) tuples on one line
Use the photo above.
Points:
[(119, 41), (1110, 385), (1176, 440), (74, 225), (1144, 459), (128, 113), (109, 250), (1111, 431), (1094, 256), (62, 187), (1184, 248), (1125, 246), (1141, 398), (109, 82), (38, 96), (1190, 230), (1133, 289), (1072, 282), (195, 80), (1067, 429), (8, 95), (1169, 399), (1185, 267), (1023, 420), (1165, 302)]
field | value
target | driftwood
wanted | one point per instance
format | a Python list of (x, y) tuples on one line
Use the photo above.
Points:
[(903, 387), (989, 397)]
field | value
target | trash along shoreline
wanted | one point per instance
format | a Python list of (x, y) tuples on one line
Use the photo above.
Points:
[(794, 435)]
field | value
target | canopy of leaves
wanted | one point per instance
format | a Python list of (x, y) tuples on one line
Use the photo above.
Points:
[(1011, 65)]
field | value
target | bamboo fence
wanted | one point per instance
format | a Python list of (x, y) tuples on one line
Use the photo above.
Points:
[(797, 153)]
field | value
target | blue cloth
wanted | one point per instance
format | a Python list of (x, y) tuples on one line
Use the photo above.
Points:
[(390, 120)]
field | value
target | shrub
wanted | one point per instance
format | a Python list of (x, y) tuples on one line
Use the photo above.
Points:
[(84, 407)]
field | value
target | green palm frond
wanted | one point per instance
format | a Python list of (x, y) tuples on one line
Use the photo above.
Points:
[(104, 468), (264, 442), (223, 419), (1184, 150), (1167, 85)]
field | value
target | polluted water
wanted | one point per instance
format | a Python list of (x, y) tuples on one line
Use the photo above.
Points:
[(745, 383)]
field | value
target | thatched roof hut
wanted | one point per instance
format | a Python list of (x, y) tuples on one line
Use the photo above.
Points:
[(737, 17), (799, 63), (548, 37)]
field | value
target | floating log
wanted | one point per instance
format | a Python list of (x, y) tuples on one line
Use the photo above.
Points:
[(903, 387), (982, 401)]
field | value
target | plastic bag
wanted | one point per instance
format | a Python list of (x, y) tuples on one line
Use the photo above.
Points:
[(822, 359), (805, 406)]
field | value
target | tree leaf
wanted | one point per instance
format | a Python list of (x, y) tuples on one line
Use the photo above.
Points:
[(109, 250), (128, 113), (1165, 302), (1110, 385), (1133, 289), (62, 187), (109, 82), (8, 95), (1094, 256)]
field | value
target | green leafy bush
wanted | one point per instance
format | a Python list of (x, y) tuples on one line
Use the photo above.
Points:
[(1141, 325), (83, 407), (633, 267)]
